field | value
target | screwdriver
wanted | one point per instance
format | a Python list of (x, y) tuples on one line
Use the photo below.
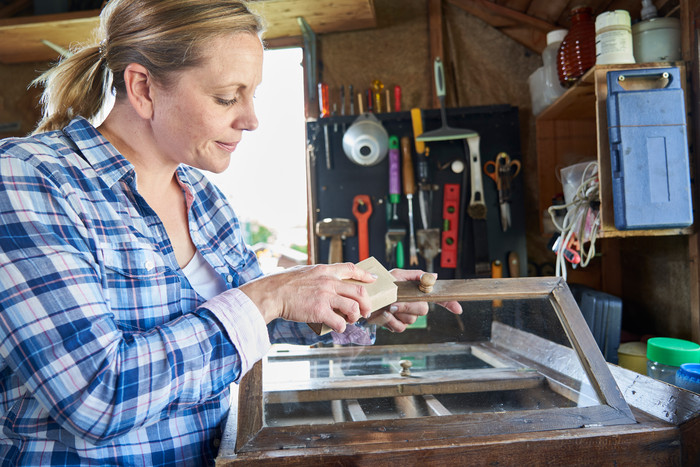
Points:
[(409, 188), (325, 109)]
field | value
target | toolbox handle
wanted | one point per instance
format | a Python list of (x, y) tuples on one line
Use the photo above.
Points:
[(644, 79)]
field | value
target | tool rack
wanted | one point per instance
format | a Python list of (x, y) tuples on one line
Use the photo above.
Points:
[(331, 191)]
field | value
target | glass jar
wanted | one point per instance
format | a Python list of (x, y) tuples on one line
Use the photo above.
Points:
[(665, 355), (577, 51), (688, 377)]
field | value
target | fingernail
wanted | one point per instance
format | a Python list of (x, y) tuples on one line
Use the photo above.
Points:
[(393, 309), (374, 276)]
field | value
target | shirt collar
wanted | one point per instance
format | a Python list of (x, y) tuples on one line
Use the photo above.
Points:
[(104, 158)]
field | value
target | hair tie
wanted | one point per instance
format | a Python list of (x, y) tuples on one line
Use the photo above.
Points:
[(102, 49)]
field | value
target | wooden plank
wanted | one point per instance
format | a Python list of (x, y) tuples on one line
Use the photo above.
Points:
[(588, 352), (20, 38), (22, 42), (435, 407), (355, 411), (444, 430), (323, 16), (479, 289), (656, 398), (427, 382), (250, 405), (650, 443), (407, 407)]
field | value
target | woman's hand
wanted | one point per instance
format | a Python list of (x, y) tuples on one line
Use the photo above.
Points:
[(313, 294), (401, 314)]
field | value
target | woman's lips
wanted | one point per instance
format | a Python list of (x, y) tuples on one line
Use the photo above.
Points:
[(230, 147)]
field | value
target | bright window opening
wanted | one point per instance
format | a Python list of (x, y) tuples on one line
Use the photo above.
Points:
[(266, 181)]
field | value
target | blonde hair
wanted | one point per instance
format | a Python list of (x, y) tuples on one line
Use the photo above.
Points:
[(164, 36)]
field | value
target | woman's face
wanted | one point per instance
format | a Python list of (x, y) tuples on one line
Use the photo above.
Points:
[(199, 119)]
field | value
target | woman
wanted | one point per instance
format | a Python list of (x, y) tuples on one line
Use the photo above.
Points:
[(128, 300)]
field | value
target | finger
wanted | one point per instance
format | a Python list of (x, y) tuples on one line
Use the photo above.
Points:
[(335, 322), (347, 308), (413, 308), (394, 324), (454, 307), (380, 318), (357, 293), (407, 274), (406, 318), (351, 271)]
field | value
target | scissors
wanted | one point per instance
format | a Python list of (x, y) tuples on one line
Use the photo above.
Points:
[(502, 171)]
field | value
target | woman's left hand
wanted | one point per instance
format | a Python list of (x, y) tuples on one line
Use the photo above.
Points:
[(401, 314)]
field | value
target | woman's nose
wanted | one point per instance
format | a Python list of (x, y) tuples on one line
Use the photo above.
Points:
[(248, 120)]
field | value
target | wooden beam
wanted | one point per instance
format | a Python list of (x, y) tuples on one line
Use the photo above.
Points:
[(436, 45), (524, 29), (500, 10), (14, 8)]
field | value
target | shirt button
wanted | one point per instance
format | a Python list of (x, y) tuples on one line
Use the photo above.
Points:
[(148, 265), (229, 278), (216, 442)]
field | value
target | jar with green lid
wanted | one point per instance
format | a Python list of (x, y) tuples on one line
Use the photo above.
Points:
[(665, 355)]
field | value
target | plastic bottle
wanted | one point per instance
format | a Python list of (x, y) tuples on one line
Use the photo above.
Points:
[(577, 51), (552, 87), (544, 83), (656, 39), (536, 82), (613, 38), (665, 355), (688, 377)]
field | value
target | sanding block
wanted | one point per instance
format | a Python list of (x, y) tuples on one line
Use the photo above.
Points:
[(382, 292)]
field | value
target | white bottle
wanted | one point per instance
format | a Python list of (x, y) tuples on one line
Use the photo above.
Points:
[(656, 39), (552, 87), (613, 38)]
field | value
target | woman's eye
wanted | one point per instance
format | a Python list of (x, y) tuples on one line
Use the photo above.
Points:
[(226, 102)]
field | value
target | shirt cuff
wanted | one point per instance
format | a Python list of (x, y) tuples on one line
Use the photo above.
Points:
[(244, 325)]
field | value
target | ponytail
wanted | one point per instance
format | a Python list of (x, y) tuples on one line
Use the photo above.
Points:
[(76, 86)]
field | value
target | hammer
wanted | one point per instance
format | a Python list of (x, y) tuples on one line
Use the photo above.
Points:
[(337, 229)]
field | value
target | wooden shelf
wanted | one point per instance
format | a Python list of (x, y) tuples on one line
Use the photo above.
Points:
[(573, 129), (21, 38)]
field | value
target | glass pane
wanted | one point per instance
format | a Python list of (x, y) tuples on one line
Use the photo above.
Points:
[(499, 356)]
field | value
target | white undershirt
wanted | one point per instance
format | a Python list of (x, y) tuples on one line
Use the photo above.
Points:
[(203, 278)]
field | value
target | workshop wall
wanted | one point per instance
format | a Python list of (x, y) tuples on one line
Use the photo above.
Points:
[(19, 106), (489, 69)]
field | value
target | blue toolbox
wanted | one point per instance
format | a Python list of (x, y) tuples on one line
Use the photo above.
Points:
[(648, 149)]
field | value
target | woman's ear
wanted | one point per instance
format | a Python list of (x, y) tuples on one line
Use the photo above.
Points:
[(139, 91)]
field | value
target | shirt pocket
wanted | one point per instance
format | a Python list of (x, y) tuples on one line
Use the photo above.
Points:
[(133, 260), (140, 289)]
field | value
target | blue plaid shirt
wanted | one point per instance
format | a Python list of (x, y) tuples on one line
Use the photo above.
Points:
[(107, 354)]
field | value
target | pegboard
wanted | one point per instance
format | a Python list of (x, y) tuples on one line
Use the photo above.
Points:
[(332, 190)]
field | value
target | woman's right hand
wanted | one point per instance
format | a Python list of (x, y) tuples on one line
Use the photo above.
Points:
[(313, 294)]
